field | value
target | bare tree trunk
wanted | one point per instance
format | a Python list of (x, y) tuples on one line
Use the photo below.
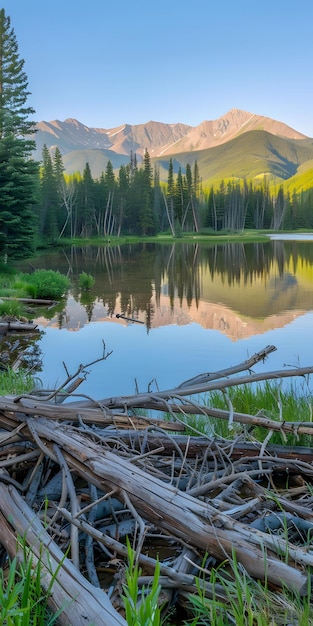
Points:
[(81, 602), (194, 214), (68, 193), (170, 220), (175, 512)]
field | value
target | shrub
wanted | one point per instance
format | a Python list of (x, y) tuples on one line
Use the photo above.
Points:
[(12, 308), (86, 281), (46, 284)]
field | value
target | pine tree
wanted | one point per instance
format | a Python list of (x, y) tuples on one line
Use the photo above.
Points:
[(146, 215), (18, 172), (86, 203), (123, 195), (169, 201), (58, 168), (49, 200), (110, 185)]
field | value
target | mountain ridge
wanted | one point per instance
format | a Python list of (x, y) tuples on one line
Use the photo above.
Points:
[(158, 137), (282, 148)]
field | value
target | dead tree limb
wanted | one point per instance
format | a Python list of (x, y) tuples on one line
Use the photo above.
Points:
[(175, 512), (81, 603)]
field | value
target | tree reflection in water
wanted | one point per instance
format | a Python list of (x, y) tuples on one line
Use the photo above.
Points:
[(238, 290)]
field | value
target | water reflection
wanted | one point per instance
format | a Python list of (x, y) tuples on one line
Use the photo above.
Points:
[(238, 289), (204, 308)]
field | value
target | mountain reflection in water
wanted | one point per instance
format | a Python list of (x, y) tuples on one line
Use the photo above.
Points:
[(257, 293), (238, 289)]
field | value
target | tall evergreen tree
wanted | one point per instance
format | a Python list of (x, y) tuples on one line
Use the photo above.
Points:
[(169, 200), (58, 168), (146, 214), (58, 171), (123, 195), (86, 200), (18, 172), (156, 196), (110, 186), (49, 200)]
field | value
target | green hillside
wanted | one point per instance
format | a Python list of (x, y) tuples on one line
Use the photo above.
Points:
[(76, 160), (301, 181), (251, 155)]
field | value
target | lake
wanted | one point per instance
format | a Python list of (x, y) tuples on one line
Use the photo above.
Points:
[(198, 308)]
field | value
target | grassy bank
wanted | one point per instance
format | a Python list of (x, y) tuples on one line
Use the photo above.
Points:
[(210, 237), (266, 399)]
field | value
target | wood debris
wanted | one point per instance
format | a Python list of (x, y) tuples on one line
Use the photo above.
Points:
[(82, 475)]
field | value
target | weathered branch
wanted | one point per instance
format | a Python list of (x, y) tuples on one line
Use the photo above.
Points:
[(80, 602), (96, 471)]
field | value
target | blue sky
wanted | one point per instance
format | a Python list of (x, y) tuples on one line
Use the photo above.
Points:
[(110, 62)]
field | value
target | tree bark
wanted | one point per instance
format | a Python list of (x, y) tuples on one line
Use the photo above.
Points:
[(81, 602)]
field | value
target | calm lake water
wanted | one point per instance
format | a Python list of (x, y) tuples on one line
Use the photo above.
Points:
[(199, 308)]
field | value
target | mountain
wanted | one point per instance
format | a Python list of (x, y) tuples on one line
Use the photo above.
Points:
[(72, 135), (251, 155), (236, 145), (234, 123)]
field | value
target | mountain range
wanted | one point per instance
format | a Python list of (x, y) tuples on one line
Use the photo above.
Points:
[(237, 145)]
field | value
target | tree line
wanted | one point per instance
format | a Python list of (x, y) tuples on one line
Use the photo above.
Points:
[(40, 203), (132, 202), (135, 202)]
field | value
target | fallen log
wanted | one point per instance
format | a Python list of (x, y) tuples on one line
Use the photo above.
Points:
[(42, 301), (171, 510), (16, 326), (79, 601), (94, 470)]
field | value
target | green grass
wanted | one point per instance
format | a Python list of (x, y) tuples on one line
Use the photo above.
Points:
[(13, 308), (12, 383), (46, 284), (42, 284), (22, 600), (247, 602), (204, 236), (267, 400), (141, 606), (85, 281)]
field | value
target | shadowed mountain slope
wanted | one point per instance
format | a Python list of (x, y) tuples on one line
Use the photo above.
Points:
[(251, 155)]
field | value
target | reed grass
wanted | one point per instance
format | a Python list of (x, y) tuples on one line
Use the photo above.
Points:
[(247, 601), (12, 383), (13, 308), (266, 399), (141, 606), (85, 281), (22, 600)]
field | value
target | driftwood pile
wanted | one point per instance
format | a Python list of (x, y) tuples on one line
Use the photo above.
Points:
[(77, 477)]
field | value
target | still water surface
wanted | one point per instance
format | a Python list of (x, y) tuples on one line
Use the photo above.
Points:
[(199, 308)]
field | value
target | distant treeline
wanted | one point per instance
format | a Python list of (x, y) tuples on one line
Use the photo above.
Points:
[(135, 202)]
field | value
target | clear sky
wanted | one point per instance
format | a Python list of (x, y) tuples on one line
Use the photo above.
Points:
[(110, 62)]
